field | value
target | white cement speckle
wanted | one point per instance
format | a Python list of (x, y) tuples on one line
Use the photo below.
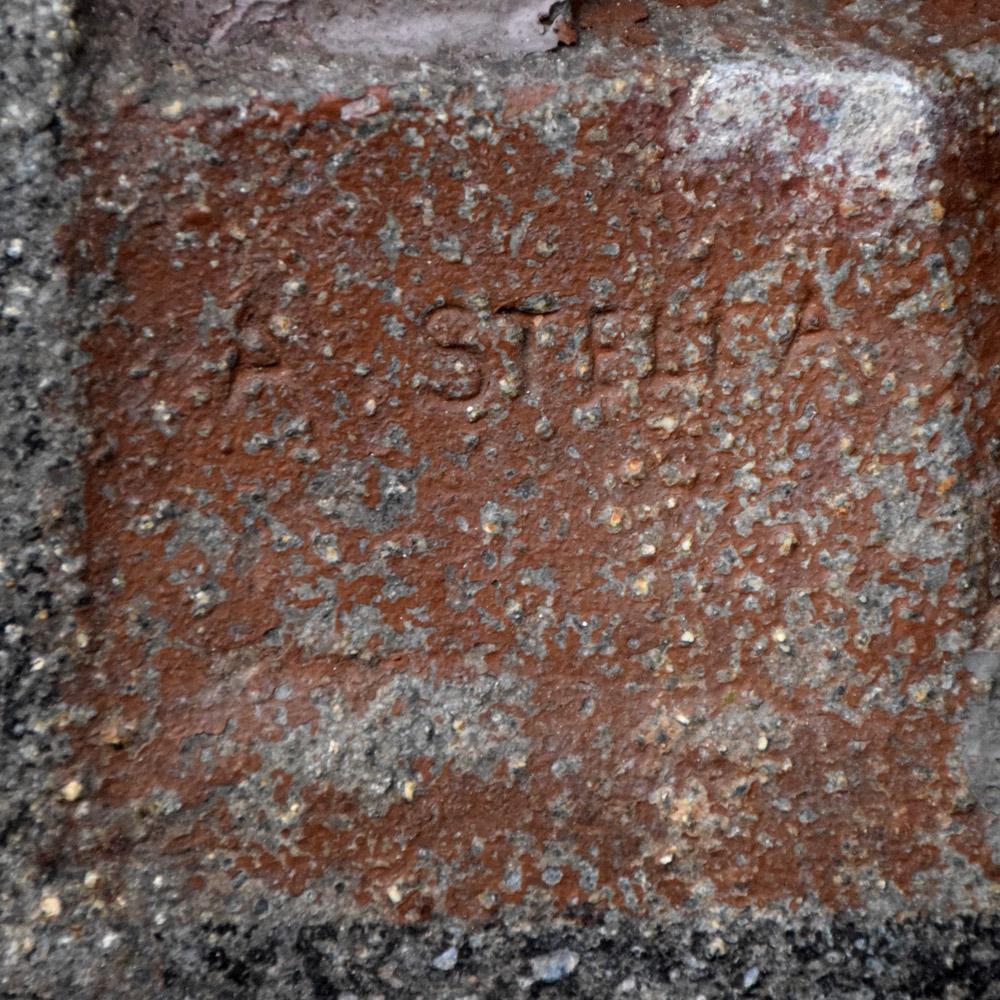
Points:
[(863, 128)]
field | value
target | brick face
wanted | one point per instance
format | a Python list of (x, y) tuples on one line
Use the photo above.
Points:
[(580, 499)]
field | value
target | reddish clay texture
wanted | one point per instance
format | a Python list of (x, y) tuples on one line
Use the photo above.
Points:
[(478, 519), (620, 20), (919, 32)]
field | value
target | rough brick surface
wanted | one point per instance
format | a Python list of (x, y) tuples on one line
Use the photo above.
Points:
[(556, 495), (606, 466)]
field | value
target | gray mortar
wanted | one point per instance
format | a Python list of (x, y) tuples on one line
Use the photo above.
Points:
[(151, 942), (981, 737), (39, 480)]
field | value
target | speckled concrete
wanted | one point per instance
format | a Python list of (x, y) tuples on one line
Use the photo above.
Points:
[(531, 530), (40, 560)]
